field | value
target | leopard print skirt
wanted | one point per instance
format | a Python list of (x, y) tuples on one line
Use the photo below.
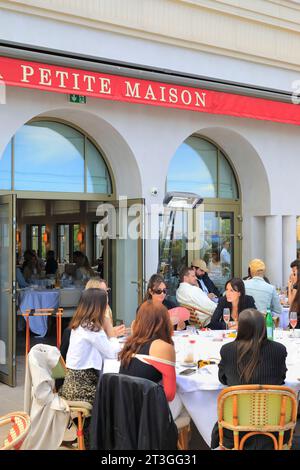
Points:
[(80, 385)]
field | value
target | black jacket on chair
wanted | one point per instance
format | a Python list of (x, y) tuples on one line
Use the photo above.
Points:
[(270, 370), (131, 413)]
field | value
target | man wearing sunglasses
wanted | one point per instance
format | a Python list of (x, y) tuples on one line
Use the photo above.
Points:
[(204, 282)]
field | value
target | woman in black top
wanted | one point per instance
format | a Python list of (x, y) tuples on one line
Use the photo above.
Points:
[(295, 306), (149, 352), (157, 292), (235, 299), (251, 359), (51, 263)]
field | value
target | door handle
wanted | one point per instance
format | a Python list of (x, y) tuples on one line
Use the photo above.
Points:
[(138, 284)]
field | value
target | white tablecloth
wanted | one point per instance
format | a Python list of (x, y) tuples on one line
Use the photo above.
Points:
[(199, 391), (38, 298)]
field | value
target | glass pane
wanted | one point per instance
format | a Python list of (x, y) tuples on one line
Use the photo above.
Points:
[(98, 246), (298, 237), (217, 246), (227, 183), (4, 286), (35, 238), (173, 254), (194, 168), (76, 242), (98, 180), (63, 243), (49, 156), (5, 168), (44, 248), (126, 278)]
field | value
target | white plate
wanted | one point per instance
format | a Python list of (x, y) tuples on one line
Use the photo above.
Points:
[(188, 364)]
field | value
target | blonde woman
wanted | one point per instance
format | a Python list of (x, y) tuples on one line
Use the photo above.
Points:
[(98, 283)]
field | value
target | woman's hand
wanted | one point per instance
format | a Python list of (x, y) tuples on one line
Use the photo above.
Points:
[(119, 330), (181, 325), (232, 325)]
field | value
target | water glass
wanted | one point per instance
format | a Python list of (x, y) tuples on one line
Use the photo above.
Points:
[(226, 316), (191, 330), (278, 332)]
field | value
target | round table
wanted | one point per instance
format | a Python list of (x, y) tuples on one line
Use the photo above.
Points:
[(199, 391)]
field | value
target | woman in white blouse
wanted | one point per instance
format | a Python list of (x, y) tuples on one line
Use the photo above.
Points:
[(89, 345)]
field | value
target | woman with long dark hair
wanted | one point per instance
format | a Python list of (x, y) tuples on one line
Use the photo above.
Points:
[(149, 352), (89, 345), (235, 299), (295, 306), (157, 292), (251, 359)]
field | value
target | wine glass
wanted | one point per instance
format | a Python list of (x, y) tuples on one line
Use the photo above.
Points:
[(293, 321), (226, 316)]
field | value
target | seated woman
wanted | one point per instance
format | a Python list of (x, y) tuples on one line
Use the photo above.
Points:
[(235, 299), (157, 291), (83, 269), (295, 305), (119, 330), (89, 345), (31, 268), (250, 359), (51, 263), (110, 330), (149, 352)]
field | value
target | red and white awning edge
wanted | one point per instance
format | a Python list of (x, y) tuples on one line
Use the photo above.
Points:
[(57, 79)]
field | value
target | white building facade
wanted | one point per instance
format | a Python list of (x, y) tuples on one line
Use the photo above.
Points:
[(240, 48)]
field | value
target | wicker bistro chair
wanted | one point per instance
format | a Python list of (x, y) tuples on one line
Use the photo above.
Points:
[(194, 319), (183, 423), (78, 409), (257, 409), (42, 312), (20, 426)]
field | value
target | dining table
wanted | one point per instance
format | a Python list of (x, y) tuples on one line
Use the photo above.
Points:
[(31, 298), (199, 391)]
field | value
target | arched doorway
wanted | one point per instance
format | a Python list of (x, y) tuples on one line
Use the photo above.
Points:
[(200, 166), (53, 177)]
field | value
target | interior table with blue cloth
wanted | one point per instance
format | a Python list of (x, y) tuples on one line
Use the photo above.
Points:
[(38, 298)]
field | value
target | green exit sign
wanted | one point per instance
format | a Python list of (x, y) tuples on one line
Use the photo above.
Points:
[(77, 99)]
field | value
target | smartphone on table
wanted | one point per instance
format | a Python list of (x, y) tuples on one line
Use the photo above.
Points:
[(187, 372)]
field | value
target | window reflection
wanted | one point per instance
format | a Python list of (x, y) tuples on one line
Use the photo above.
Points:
[(5, 168), (200, 167), (50, 156)]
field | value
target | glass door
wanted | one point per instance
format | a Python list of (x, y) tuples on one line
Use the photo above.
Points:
[(126, 243), (173, 247), (220, 240), (212, 234), (7, 290)]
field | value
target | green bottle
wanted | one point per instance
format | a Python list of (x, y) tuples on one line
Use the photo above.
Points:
[(269, 324)]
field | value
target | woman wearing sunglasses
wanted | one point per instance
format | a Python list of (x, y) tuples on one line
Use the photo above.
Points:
[(157, 292)]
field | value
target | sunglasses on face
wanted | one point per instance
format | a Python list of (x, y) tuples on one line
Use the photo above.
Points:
[(160, 291)]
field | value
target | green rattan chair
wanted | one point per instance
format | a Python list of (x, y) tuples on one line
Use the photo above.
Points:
[(257, 409)]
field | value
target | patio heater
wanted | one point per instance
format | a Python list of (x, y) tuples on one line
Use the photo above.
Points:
[(174, 201)]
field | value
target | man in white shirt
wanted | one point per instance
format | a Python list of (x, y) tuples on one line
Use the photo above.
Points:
[(225, 255), (188, 293)]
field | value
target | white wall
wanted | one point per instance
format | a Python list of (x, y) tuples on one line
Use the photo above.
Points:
[(48, 33), (139, 142)]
